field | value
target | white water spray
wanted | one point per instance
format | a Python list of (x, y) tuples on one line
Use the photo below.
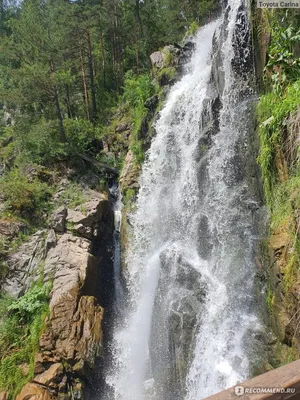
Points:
[(190, 262)]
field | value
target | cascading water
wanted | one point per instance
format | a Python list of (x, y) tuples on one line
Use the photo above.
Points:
[(189, 326)]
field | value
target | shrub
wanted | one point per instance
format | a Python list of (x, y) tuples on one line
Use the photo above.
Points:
[(137, 89), (38, 141), (283, 65), (23, 196), (80, 134)]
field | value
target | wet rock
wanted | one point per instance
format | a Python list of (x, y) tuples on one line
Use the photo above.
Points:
[(130, 173), (176, 317), (58, 219), (205, 245)]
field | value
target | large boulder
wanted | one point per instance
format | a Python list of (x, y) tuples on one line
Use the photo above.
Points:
[(73, 329), (72, 336), (168, 56)]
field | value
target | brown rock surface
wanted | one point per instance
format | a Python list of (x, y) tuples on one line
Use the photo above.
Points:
[(73, 330), (130, 173), (34, 392), (72, 335)]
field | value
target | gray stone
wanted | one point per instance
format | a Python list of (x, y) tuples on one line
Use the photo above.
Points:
[(58, 219), (50, 241), (25, 265), (87, 219)]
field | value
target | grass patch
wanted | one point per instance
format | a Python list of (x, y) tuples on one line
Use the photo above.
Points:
[(72, 196)]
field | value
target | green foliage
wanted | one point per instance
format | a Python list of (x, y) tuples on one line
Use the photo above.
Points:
[(72, 195), (130, 193), (21, 323), (270, 299), (192, 29), (38, 142), (283, 64), (137, 89), (80, 134), (24, 196), (273, 109), (28, 305), (282, 355)]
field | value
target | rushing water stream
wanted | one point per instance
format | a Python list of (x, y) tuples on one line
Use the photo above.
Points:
[(191, 313)]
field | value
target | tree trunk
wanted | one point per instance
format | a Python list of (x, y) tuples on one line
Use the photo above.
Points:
[(68, 102), (85, 91), (91, 72), (57, 105), (103, 58)]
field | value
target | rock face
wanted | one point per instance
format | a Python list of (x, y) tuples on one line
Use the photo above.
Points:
[(25, 265), (72, 336), (34, 392), (282, 272), (86, 220), (58, 220), (130, 173)]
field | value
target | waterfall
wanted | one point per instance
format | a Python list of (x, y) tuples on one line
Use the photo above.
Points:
[(191, 316)]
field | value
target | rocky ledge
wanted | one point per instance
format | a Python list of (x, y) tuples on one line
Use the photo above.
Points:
[(72, 336)]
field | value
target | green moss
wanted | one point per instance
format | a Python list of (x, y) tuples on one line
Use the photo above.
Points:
[(129, 194), (192, 29), (270, 299), (167, 73)]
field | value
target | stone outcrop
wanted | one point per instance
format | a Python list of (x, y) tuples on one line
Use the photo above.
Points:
[(58, 220), (283, 254), (72, 336), (130, 173), (25, 265), (86, 219), (34, 392)]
